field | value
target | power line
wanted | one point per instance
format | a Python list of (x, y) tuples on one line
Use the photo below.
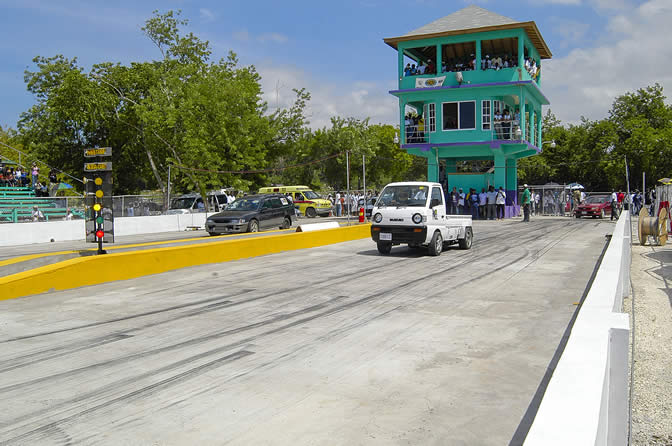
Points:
[(41, 162), (274, 169)]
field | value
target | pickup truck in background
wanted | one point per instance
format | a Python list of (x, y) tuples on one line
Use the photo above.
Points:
[(414, 213)]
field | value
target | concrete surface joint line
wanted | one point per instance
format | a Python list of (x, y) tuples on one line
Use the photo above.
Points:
[(586, 401)]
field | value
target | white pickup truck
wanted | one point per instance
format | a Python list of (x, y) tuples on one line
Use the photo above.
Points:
[(414, 213)]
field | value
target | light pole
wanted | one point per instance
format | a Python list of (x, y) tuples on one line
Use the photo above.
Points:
[(551, 142)]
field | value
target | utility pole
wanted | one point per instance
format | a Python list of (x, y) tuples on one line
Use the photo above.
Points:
[(168, 190), (347, 180), (364, 181)]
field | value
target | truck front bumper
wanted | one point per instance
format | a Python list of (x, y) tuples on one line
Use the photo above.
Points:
[(400, 234)]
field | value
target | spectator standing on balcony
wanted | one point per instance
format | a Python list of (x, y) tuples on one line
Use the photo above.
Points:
[(421, 68), (431, 68), (414, 70), (498, 124), (500, 201), (506, 124), (407, 70), (34, 172), (421, 129)]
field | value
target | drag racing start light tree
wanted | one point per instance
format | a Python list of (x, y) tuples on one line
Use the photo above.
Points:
[(99, 205)]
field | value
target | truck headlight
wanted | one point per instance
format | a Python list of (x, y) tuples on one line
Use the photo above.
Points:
[(417, 219), (378, 218)]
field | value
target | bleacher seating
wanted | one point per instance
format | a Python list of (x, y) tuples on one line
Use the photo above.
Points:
[(16, 204)]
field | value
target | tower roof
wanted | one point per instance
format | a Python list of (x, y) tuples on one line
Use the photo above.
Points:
[(473, 19)]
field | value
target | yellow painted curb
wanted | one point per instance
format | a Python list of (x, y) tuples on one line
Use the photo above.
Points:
[(94, 270)]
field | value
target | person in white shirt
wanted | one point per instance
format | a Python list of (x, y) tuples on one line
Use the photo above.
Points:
[(421, 68), (483, 203), (460, 202), (614, 205), (339, 207), (492, 196), (500, 201)]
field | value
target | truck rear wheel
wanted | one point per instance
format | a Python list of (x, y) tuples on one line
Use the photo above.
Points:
[(465, 243), (384, 247), (436, 245)]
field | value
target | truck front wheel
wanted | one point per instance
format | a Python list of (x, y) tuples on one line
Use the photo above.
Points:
[(436, 245), (384, 247), (465, 243)]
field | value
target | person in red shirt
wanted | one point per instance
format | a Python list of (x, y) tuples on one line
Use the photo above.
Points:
[(620, 196)]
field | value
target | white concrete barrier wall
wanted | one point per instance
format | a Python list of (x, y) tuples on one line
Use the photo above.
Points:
[(586, 401), (12, 234)]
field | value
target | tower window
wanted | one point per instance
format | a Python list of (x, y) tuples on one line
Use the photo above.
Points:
[(429, 112), (486, 115), (459, 115)]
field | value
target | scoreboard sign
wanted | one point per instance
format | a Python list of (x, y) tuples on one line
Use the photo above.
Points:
[(98, 167), (100, 151)]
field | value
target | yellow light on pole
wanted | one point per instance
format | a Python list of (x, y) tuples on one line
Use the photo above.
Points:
[(99, 193), (98, 181), (97, 207)]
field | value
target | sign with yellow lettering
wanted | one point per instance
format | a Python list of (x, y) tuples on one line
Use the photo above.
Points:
[(98, 167), (98, 151)]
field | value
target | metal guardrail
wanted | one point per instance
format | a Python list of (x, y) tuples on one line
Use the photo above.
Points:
[(18, 209)]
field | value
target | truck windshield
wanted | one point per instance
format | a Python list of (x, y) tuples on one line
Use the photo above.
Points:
[(405, 195), (310, 195), (182, 203)]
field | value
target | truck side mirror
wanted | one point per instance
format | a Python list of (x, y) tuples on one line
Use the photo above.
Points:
[(435, 202)]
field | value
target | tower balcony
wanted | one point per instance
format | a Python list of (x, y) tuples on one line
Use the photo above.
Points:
[(469, 78)]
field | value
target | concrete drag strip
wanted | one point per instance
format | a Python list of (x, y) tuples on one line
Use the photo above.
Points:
[(329, 345)]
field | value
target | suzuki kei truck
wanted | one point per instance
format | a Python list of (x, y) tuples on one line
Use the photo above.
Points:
[(414, 213)]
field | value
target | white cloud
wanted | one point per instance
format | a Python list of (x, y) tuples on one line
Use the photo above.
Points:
[(272, 37), (328, 99), (206, 15), (242, 35), (637, 54), (572, 31)]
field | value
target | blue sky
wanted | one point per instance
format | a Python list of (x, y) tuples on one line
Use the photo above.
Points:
[(601, 48)]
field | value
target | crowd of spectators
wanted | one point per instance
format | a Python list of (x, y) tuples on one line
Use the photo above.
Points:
[(19, 177), (468, 63), (415, 128), (11, 177), (532, 68), (505, 122), (487, 205)]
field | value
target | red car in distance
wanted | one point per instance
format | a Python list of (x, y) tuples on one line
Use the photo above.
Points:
[(594, 206)]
